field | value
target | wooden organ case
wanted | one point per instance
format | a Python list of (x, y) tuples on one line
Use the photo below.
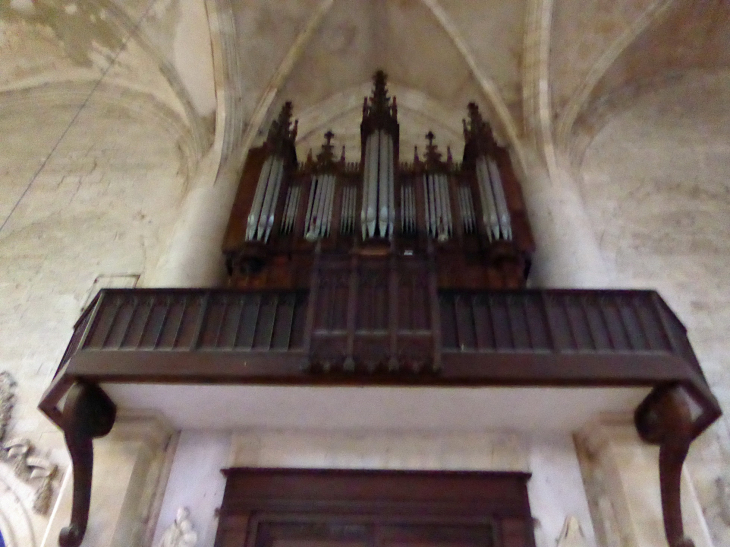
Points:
[(379, 273), (376, 242)]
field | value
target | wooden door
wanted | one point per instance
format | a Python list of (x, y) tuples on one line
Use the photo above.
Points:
[(343, 508)]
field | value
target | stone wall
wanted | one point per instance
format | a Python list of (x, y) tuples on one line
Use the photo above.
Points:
[(655, 182)]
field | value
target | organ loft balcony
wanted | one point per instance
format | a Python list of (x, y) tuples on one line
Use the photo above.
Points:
[(372, 293)]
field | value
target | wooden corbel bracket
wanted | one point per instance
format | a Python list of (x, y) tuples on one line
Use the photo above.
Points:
[(665, 418), (88, 413)]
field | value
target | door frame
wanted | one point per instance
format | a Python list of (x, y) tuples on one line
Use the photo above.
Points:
[(256, 495)]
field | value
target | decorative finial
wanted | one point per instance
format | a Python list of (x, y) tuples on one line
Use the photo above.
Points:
[(326, 156), (433, 156), (279, 131), (328, 136), (380, 106), (477, 130)]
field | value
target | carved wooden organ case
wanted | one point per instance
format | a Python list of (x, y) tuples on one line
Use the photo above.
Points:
[(376, 242)]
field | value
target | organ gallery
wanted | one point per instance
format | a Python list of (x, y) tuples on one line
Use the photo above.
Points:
[(407, 269)]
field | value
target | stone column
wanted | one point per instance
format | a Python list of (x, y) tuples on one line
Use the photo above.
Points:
[(129, 466), (622, 478), (194, 258), (567, 253)]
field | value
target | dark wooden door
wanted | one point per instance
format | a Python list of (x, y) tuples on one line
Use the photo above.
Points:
[(343, 508)]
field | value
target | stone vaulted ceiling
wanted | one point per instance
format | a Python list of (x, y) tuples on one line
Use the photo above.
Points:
[(110, 109), (543, 70)]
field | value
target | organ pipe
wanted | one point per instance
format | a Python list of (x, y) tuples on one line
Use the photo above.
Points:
[(391, 184), (319, 208), (378, 208), (438, 206), (397, 208), (505, 222), (491, 218), (279, 165), (290, 209), (261, 218), (253, 217)]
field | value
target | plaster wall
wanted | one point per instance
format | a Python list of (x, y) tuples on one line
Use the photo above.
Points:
[(89, 189), (555, 489), (655, 186)]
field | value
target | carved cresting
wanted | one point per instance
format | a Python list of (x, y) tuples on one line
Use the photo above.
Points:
[(87, 414), (665, 418)]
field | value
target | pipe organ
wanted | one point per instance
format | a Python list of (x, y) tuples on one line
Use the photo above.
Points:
[(464, 221)]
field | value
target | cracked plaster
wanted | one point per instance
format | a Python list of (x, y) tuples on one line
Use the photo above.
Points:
[(655, 183)]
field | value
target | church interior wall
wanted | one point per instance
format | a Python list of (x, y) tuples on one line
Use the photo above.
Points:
[(96, 180), (555, 488), (655, 186)]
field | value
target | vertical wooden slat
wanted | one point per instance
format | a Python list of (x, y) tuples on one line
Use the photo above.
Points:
[(569, 322), (591, 334), (198, 333), (668, 332), (133, 302), (221, 323), (606, 325), (523, 306), (482, 327), (435, 312), (89, 329), (464, 322), (284, 323), (628, 320), (352, 299), (149, 304), (163, 321), (178, 329), (313, 299), (492, 325), (393, 311), (548, 323), (266, 320)]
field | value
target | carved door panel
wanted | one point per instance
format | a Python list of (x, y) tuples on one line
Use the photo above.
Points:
[(370, 531)]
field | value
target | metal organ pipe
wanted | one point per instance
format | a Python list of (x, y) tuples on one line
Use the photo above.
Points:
[(462, 208), (274, 197), (322, 206), (319, 209), (391, 183), (505, 222), (310, 207), (255, 214), (328, 208), (347, 220), (371, 182), (430, 211), (467, 209), (438, 206), (290, 209), (447, 204), (412, 208), (383, 184), (378, 208), (491, 218)]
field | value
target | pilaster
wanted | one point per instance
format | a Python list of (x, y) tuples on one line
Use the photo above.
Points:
[(128, 471), (622, 480)]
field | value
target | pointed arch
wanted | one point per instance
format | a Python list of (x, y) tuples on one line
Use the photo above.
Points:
[(487, 84), (657, 10)]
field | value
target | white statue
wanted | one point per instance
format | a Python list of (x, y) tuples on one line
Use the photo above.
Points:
[(180, 533), (572, 534)]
